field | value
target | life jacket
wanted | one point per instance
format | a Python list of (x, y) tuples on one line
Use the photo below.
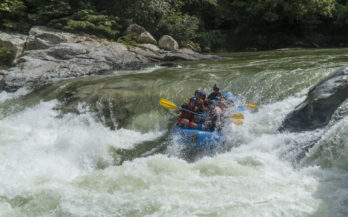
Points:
[(185, 114)]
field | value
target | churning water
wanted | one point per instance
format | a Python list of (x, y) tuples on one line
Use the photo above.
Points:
[(98, 146)]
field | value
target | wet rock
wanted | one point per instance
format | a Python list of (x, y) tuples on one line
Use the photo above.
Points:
[(168, 43), (322, 101), (170, 64), (187, 54), (146, 38)]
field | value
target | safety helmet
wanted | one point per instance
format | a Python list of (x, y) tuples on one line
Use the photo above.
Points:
[(227, 95), (197, 92), (193, 99)]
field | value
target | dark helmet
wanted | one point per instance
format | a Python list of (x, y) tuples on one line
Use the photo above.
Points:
[(216, 87), (198, 92), (193, 99)]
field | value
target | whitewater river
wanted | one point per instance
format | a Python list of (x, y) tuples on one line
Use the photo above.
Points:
[(98, 146)]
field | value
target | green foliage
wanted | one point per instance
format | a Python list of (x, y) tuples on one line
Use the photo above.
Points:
[(342, 14), (214, 39), (215, 23), (48, 10), (89, 21), (182, 27), (146, 13), (128, 39), (10, 12), (6, 54), (11, 7)]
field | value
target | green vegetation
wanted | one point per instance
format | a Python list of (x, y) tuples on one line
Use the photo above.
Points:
[(227, 24), (6, 54)]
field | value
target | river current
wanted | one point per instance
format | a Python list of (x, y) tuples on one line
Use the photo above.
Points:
[(98, 145)]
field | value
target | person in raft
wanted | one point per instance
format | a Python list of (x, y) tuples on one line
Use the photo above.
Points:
[(215, 94), (185, 119), (215, 117)]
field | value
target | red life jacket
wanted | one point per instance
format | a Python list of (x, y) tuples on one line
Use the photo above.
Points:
[(185, 114)]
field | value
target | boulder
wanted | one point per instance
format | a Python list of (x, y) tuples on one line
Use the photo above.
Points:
[(146, 38), (13, 44), (41, 37), (168, 43), (151, 47), (321, 103), (135, 28), (67, 56)]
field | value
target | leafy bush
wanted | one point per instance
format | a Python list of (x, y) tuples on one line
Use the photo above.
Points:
[(10, 12), (182, 27), (213, 39), (89, 21), (128, 39)]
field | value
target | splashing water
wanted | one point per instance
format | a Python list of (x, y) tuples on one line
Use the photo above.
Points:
[(57, 158)]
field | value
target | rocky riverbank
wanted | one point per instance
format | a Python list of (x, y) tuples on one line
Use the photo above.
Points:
[(47, 55)]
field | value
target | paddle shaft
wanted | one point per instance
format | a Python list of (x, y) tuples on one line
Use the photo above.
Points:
[(186, 110)]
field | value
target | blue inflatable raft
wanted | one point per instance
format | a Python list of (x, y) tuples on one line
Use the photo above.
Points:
[(201, 138), (197, 138)]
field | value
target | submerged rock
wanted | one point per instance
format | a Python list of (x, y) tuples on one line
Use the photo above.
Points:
[(321, 103)]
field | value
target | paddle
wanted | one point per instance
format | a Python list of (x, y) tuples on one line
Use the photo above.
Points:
[(251, 105), (170, 105)]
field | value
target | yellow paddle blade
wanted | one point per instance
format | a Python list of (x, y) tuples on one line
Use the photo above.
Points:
[(238, 122), (167, 104), (251, 105), (237, 116)]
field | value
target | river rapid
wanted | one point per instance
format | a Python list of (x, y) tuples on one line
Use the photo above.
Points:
[(98, 145)]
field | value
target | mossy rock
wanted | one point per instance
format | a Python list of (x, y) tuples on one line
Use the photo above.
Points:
[(7, 55)]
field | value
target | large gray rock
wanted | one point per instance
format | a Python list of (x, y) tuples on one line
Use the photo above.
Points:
[(15, 42), (146, 38), (41, 37), (52, 55), (322, 101), (168, 43), (65, 55)]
